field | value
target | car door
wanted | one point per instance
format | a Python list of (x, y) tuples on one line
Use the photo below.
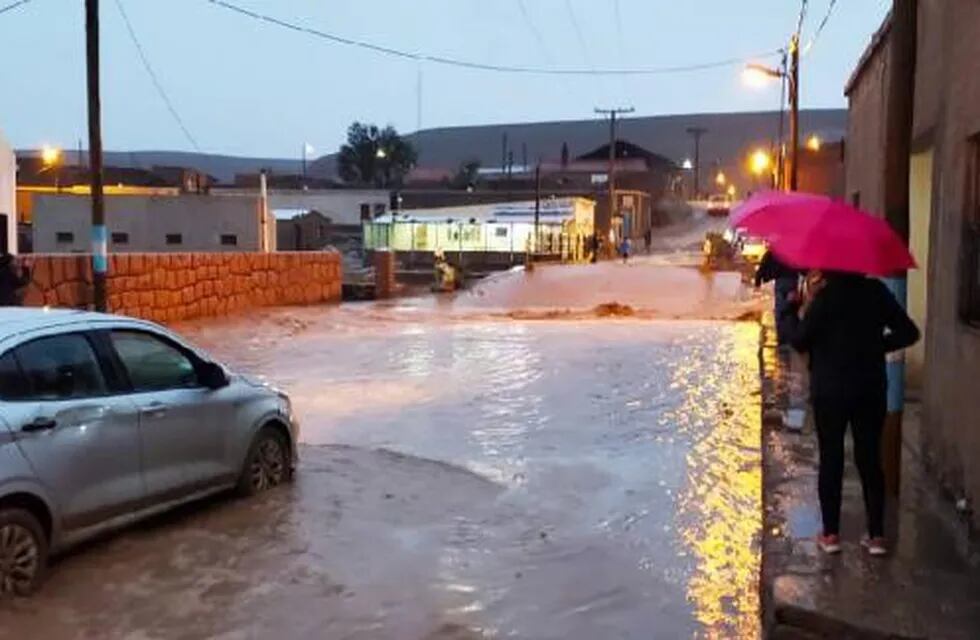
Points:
[(81, 440), (182, 423)]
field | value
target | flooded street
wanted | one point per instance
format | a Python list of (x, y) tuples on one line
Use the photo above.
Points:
[(464, 474)]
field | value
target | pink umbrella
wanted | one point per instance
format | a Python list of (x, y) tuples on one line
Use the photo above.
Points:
[(809, 231)]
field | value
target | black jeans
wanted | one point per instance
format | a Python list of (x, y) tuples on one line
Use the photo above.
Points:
[(866, 416)]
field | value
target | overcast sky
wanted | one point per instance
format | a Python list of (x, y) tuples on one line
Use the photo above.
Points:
[(247, 87)]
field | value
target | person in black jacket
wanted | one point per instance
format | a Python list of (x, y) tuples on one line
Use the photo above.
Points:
[(847, 325), (787, 282), (12, 281)]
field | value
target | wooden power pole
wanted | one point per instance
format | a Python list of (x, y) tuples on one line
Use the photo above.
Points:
[(611, 177), (99, 235), (794, 112), (898, 147), (697, 133)]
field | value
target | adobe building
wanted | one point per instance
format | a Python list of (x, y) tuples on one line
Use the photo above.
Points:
[(944, 293)]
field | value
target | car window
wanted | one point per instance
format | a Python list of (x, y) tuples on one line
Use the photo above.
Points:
[(60, 367), (13, 384), (152, 363)]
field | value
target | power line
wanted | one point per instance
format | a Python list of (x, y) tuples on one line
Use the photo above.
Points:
[(479, 66), (804, 5), (13, 5), (578, 32), (535, 32), (823, 23), (154, 78)]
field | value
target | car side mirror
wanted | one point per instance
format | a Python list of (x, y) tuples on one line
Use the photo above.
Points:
[(212, 375)]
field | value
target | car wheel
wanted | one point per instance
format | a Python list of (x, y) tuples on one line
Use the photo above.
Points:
[(23, 553), (267, 463)]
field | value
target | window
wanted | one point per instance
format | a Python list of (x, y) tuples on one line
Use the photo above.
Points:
[(151, 363), (60, 367), (970, 305), (379, 210), (365, 212), (501, 232), (175, 238), (64, 237), (13, 384), (229, 240), (119, 237)]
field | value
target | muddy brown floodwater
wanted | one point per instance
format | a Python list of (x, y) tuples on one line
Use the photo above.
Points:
[(464, 475)]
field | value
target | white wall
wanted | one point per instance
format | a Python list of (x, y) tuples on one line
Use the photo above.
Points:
[(201, 220), (8, 192), (342, 206)]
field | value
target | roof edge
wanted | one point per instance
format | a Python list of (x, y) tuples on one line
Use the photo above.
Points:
[(877, 42)]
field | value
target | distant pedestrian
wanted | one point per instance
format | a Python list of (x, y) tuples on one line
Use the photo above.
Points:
[(625, 247), (12, 281), (787, 282), (847, 323), (648, 240)]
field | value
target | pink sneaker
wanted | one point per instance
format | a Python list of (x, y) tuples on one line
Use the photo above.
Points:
[(829, 544), (875, 546)]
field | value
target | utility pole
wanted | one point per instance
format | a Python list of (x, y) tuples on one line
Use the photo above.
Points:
[(99, 235), (503, 155), (697, 132), (537, 206), (781, 158), (794, 114), (898, 145), (611, 177)]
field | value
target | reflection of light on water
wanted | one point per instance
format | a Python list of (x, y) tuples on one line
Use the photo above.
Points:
[(719, 516)]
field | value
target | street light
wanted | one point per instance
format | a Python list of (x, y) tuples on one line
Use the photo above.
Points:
[(813, 143), (51, 159), (760, 162), (731, 191), (381, 154), (721, 180), (50, 156), (757, 75)]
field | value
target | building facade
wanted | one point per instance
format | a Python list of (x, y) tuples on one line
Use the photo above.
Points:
[(152, 223), (496, 234), (8, 198), (944, 293)]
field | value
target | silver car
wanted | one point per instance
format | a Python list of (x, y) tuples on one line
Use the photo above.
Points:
[(105, 420)]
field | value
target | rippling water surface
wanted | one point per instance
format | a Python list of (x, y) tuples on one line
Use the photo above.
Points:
[(626, 452)]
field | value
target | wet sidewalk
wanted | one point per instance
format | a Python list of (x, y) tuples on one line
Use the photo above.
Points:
[(929, 587)]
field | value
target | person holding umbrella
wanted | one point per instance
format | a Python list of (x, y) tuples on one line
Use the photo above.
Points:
[(846, 322)]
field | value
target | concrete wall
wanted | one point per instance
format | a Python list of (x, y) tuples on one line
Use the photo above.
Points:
[(8, 193), (201, 221), (181, 286), (949, 77), (947, 116), (865, 149), (342, 206)]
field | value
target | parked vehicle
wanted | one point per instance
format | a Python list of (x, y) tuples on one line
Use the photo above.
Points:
[(719, 205), (105, 420)]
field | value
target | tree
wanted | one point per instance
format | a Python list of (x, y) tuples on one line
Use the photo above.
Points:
[(373, 156), (467, 175)]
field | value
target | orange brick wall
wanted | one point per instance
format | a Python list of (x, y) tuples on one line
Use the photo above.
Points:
[(168, 287)]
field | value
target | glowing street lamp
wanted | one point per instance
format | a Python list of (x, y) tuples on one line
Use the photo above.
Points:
[(50, 156), (731, 191), (760, 162), (687, 164), (813, 143), (721, 180), (381, 154)]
